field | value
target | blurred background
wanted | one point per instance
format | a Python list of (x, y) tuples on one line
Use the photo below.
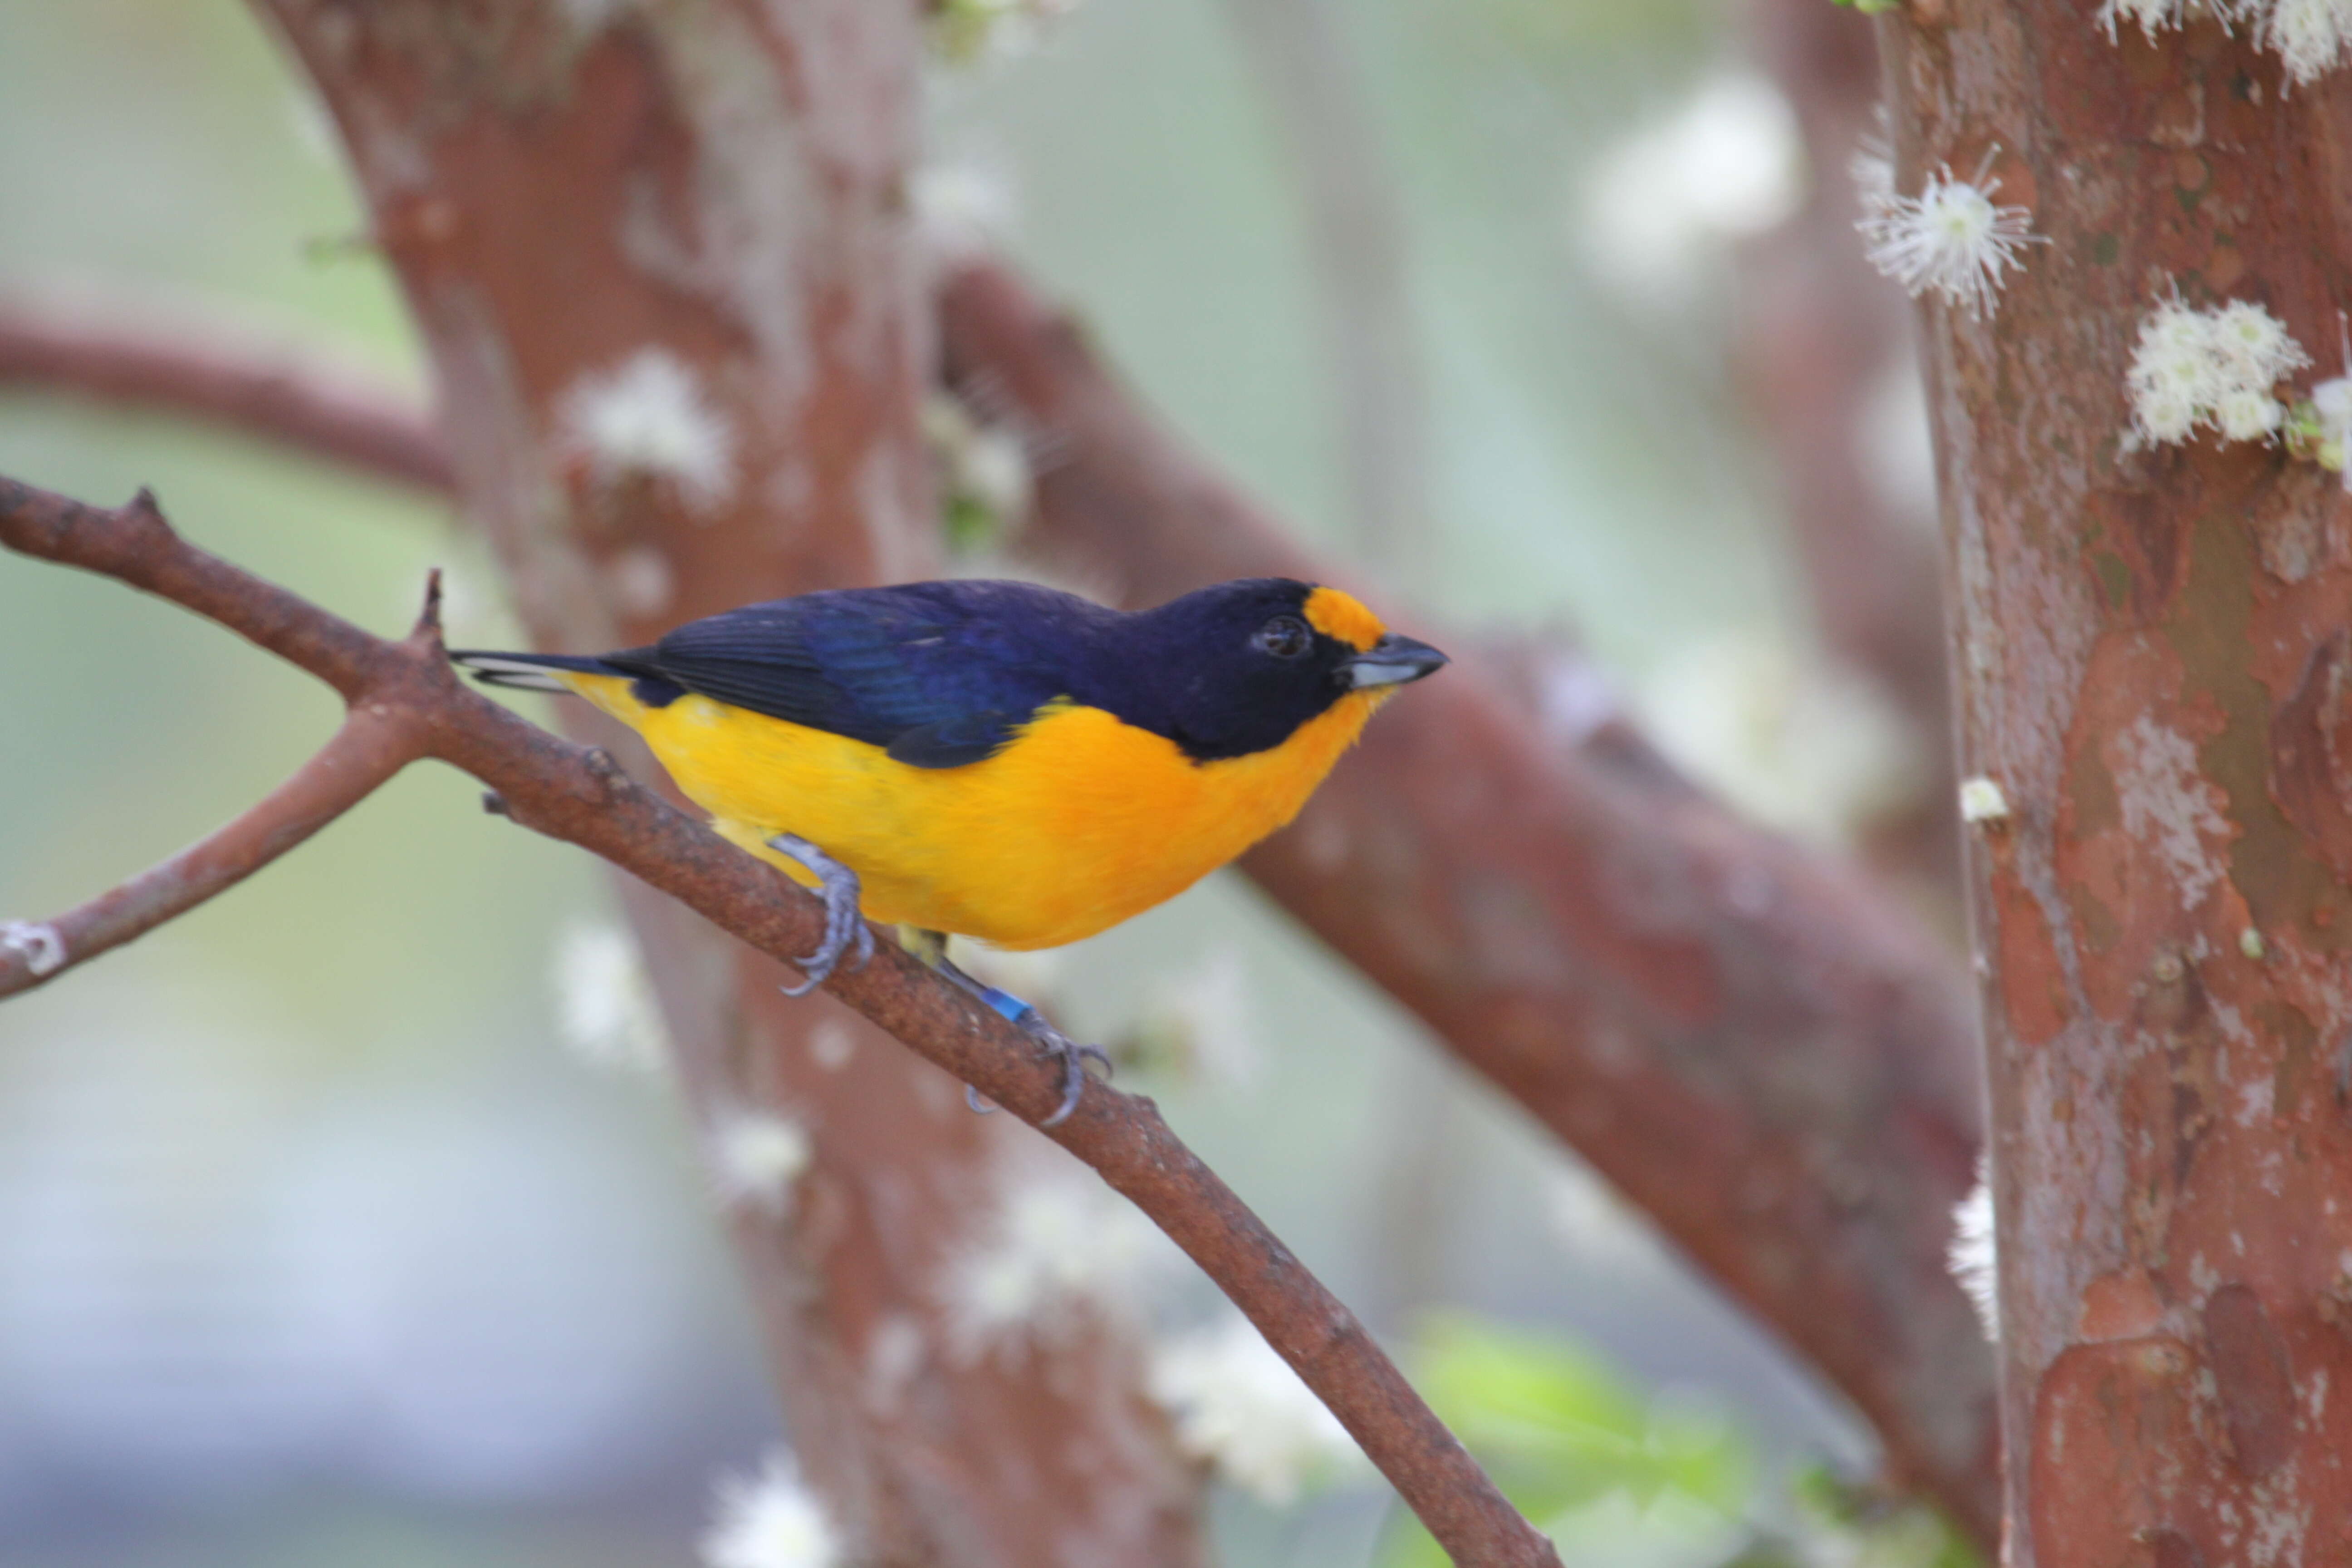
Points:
[(342, 1221)]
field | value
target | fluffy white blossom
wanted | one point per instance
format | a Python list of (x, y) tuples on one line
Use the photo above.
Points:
[(963, 209), (1199, 1017), (2309, 37), (2211, 368), (983, 464), (2331, 407), (40, 946), (1982, 800), (1810, 749), (2152, 16), (648, 419), (1950, 238), (1239, 1406), (1727, 164), (604, 1009), (755, 1157), (772, 1521), (1050, 1247), (1974, 1254)]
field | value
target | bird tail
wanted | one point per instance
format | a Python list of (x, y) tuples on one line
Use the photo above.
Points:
[(529, 671)]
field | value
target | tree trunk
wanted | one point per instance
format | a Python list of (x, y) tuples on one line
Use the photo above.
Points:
[(564, 189), (2151, 659)]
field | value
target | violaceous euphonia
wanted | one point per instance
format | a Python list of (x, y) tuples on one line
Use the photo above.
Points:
[(997, 760)]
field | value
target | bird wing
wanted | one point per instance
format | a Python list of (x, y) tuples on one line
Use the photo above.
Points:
[(940, 674)]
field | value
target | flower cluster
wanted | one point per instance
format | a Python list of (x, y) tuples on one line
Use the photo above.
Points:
[(1950, 238), (648, 418), (2309, 37), (2211, 368), (1050, 1248), (774, 1521), (1239, 1406), (1974, 1254), (2321, 426), (605, 1007), (755, 1157)]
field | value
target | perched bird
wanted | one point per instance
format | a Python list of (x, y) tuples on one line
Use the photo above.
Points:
[(997, 760)]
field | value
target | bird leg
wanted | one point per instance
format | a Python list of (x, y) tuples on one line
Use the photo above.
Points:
[(932, 947), (843, 925)]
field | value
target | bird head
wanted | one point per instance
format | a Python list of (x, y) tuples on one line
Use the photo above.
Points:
[(1238, 667)]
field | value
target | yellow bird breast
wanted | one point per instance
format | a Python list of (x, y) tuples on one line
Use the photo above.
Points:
[(1080, 821)]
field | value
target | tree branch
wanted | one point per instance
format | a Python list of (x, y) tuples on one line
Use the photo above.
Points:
[(1764, 1053), (374, 744), (582, 797), (305, 400)]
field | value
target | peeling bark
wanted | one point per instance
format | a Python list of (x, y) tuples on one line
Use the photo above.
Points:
[(2150, 649), (562, 188)]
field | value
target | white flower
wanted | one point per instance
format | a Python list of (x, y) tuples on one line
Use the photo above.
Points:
[(2254, 344), (40, 946), (1051, 1247), (772, 1521), (604, 1009), (2215, 368), (1974, 1254), (648, 419), (984, 464), (1662, 201), (2153, 16), (1239, 1406), (2332, 401), (2309, 35), (963, 210), (1201, 1017), (2245, 414), (1950, 238), (1809, 749), (1981, 800), (756, 1156)]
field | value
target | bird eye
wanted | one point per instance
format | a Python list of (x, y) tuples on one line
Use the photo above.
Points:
[(1284, 637)]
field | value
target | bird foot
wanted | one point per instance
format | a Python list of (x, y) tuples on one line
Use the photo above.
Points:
[(844, 927), (1051, 1042)]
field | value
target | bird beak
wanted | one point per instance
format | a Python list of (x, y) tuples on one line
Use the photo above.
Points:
[(1391, 661)]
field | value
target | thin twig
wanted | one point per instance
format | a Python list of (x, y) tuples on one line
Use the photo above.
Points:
[(369, 748), (583, 797)]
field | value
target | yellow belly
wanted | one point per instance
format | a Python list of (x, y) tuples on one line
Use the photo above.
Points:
[(1078, 824)]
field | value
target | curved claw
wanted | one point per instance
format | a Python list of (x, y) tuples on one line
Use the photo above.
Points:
[(845, 928), (1073, 1056), (1050, 1040), (980, 1104)]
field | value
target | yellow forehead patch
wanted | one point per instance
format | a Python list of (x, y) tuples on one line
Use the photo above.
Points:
[(1340, 615)]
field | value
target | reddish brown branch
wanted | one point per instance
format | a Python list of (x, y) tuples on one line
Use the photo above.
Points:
[(1766, 1055), (302, 400), (372, 745), (582, 797)]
